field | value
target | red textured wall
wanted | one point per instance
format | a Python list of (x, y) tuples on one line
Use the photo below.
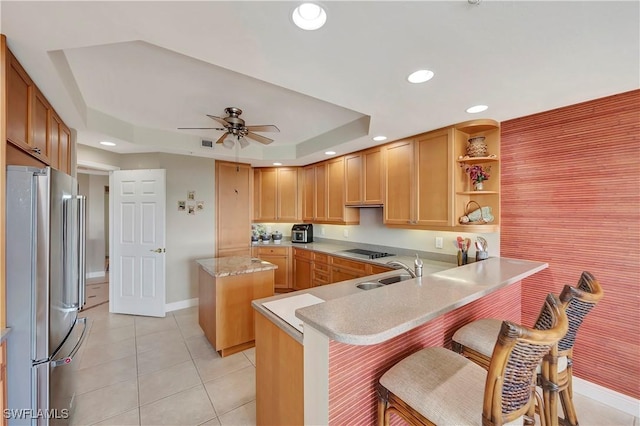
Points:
[(571, 197), (354, 370)]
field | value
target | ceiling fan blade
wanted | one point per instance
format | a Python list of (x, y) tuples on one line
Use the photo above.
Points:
[(200, 128), (259, 138), (218, 119), (222, 138), (263, 128)]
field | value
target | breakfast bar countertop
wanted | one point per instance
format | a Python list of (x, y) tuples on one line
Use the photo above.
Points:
[(234, 265), (367, 317)]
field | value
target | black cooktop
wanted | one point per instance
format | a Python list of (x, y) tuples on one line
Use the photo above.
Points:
[(367, 254)]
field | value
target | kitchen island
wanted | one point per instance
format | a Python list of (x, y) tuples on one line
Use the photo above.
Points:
[(354, 336), (227, 285)]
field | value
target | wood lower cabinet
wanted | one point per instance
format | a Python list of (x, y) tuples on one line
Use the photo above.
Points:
[(224, 310), (345, 269), (279, 375), (233, 211), (320, 271), (281, 257), (302, 264)]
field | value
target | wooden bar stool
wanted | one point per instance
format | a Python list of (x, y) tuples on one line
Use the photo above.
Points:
[(474, 342), (438, 386)]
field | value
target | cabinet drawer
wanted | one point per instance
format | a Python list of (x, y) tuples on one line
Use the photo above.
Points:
[(280, 251), (321, 277), (305, 254), (321, 257), (324, 267), (351, 264)]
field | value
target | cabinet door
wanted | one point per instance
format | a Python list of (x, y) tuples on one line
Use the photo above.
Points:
[(64, 149), (281, 275), (19, 92), (309, 193), (321, 212), (353, 174), (372, 176), (54, 140), (233, 214), (288, 199), (342, 274), (265, 191), (301, 273), (40, 141), (335, 190), (434, 192), (399, 183)]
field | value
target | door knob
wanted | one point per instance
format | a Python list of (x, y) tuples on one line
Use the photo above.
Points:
[(159, 250)]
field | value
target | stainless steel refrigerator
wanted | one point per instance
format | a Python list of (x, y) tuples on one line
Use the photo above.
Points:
[(44, 292)]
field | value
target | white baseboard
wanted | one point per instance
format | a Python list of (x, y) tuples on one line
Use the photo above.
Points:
[(98, 274), (607, 396), (183, 304)]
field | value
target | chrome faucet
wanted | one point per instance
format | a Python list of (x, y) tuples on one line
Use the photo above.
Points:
[(401, 265)]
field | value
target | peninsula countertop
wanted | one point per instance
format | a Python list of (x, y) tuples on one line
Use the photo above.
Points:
[(234, 265), (367, 317)]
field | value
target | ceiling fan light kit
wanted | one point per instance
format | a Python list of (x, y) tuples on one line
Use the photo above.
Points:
[(236, 130)]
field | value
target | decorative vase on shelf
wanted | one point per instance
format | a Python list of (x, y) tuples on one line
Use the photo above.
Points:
[(478, 186), (476, 147)]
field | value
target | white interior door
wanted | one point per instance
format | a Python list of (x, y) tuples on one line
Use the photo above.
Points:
[(137, 262)]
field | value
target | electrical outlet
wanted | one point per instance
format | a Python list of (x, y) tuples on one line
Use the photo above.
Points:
[(439, 243), (322, 231), (345, 233)]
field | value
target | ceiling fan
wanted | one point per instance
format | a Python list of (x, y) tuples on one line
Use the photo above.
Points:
[(235, 128)]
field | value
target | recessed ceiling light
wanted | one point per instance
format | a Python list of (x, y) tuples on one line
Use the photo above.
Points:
[(420, 76), (477, 108), (330, 152), (380, 138), (106, 143), (277, 164), (309, 16)]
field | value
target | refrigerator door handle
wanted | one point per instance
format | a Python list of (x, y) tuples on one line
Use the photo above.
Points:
[(82, 250), (67, 359)]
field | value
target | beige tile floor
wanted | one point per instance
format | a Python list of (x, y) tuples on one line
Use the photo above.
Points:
[(162, 371)]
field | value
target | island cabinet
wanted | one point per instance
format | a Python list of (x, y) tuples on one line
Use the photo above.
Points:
[(277, 195), (279, 256), (323, 198), (418, 181), (37, 135), (363, 178), (226, 288)]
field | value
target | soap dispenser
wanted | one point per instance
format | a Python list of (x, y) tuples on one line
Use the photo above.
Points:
[(417, 266)]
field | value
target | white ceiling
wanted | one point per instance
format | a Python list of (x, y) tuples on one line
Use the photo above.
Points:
[(132, 72)]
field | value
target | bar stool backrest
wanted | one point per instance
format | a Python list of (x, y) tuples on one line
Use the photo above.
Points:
[(517, 353)]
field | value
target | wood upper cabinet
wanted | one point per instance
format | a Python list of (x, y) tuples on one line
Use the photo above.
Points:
[(418, 180), (41, 142), (399, 181), (326, 182), (233, 208), (276, 195), (32, 124), (19, 95), (363, 177)]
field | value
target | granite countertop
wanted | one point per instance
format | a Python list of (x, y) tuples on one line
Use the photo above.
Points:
[(367, 317), (234, 265)]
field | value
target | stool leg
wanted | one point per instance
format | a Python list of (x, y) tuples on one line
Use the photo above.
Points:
[(570, 416)]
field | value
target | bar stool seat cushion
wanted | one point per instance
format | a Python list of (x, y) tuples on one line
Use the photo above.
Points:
[(481, 335), (443, 386)]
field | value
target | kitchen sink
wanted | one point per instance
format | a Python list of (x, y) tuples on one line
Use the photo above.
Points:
[(395, 279), (369, 285)]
